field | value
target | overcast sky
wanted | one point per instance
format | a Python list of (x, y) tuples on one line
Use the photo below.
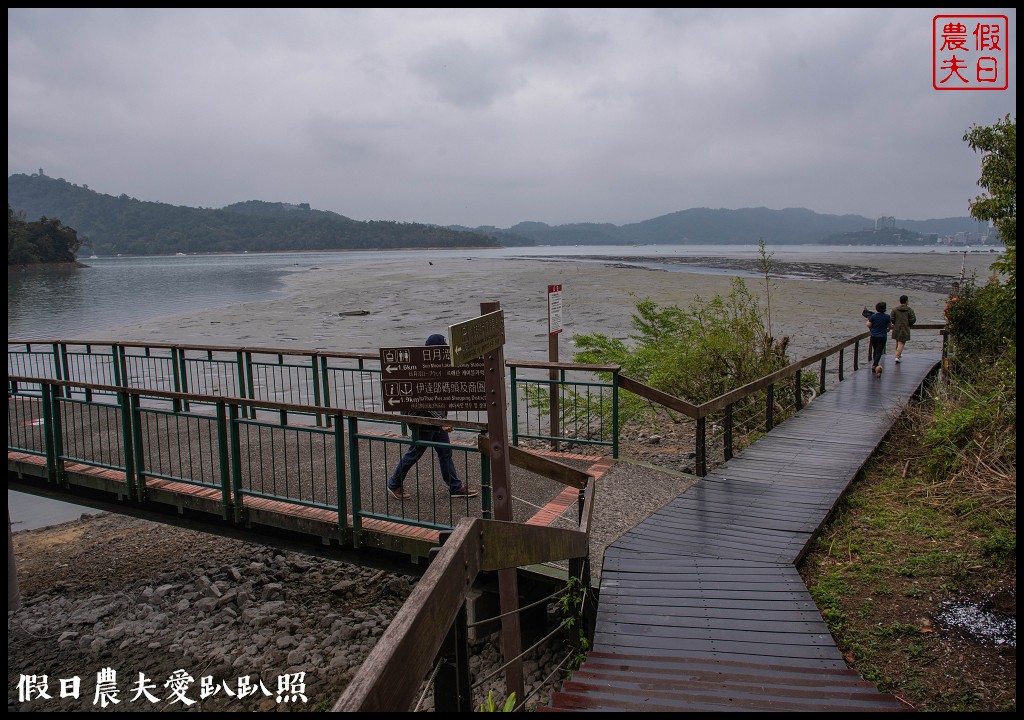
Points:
[(496, 116)]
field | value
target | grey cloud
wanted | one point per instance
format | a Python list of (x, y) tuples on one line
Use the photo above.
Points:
[(464, 76)]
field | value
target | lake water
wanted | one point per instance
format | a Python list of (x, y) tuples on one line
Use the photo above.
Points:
[(117, 291), (92, 303)]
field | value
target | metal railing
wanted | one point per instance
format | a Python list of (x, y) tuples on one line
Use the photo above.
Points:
[(567, 406), (150, 435), (553, 407), (722, 426)]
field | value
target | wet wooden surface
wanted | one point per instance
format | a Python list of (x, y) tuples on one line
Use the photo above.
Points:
[(701, 605)]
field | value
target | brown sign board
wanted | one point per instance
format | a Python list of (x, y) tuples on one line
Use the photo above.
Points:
[(472, 338), (423, 378)]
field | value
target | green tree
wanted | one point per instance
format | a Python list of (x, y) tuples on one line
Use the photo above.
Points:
[(766, 265), (695, 353), (983, 321), (998, 145), (45, 241)]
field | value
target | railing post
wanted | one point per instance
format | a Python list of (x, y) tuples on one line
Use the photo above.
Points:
[(856, 356), (60, 364), (130, 427), (615, 414), (514, 397), (554, 391), (13, 590), (453, 689), (88, 391), (701, 447), (821, 378), (240, 370), (769, 408), (184, 376), (235, 440), (280, 364), (49, 410), (225, 460), (799, 393), (339, 471), (250, 411), (727, 432), (353, 473), (120, 365), (841, 355), (314, 360), (325, 384), (176, 374)]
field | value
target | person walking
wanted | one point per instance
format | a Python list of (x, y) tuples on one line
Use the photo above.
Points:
[(879, 325), (903, 318), (434, 434)]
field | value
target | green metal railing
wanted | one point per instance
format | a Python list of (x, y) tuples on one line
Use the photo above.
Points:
[(314, 379), (565, 405), (150, 435), (562, 411)]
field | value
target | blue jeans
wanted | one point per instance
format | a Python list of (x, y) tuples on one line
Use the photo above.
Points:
[(415, 452)]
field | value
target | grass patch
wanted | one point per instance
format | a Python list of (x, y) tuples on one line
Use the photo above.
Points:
[(932, 519)]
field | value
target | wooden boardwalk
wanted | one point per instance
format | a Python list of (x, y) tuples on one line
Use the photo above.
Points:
[(701, 605)]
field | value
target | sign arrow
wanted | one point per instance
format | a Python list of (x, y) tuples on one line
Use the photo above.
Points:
[(390, 368), (392, 401)]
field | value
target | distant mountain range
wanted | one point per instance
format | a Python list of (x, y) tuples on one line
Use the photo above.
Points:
[(123, 225)]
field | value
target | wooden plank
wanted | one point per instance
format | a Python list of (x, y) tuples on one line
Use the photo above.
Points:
[(687, 583)]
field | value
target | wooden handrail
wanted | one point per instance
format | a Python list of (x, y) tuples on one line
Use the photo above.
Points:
[(388, 679), (662, 398), (724, 400)]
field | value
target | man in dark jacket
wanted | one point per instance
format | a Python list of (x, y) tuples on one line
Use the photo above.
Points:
[(902, 318), (434, 434)]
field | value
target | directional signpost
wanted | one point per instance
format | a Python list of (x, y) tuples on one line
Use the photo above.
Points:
[(472, 338), (485, 336), (467, 374), (422, 378)]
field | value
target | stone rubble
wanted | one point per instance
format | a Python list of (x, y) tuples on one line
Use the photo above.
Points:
[(262, 614)]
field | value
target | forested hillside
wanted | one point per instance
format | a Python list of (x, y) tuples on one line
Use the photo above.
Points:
[(46, 241), (745, 226), (124, 225)]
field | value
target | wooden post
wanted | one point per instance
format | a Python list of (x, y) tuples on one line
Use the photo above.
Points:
[(508, 579), (553, 390), (13, 589), (554, 330)]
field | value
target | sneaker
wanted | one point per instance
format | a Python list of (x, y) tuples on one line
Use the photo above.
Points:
[(399, 494), (898, 360), (464, 492)]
